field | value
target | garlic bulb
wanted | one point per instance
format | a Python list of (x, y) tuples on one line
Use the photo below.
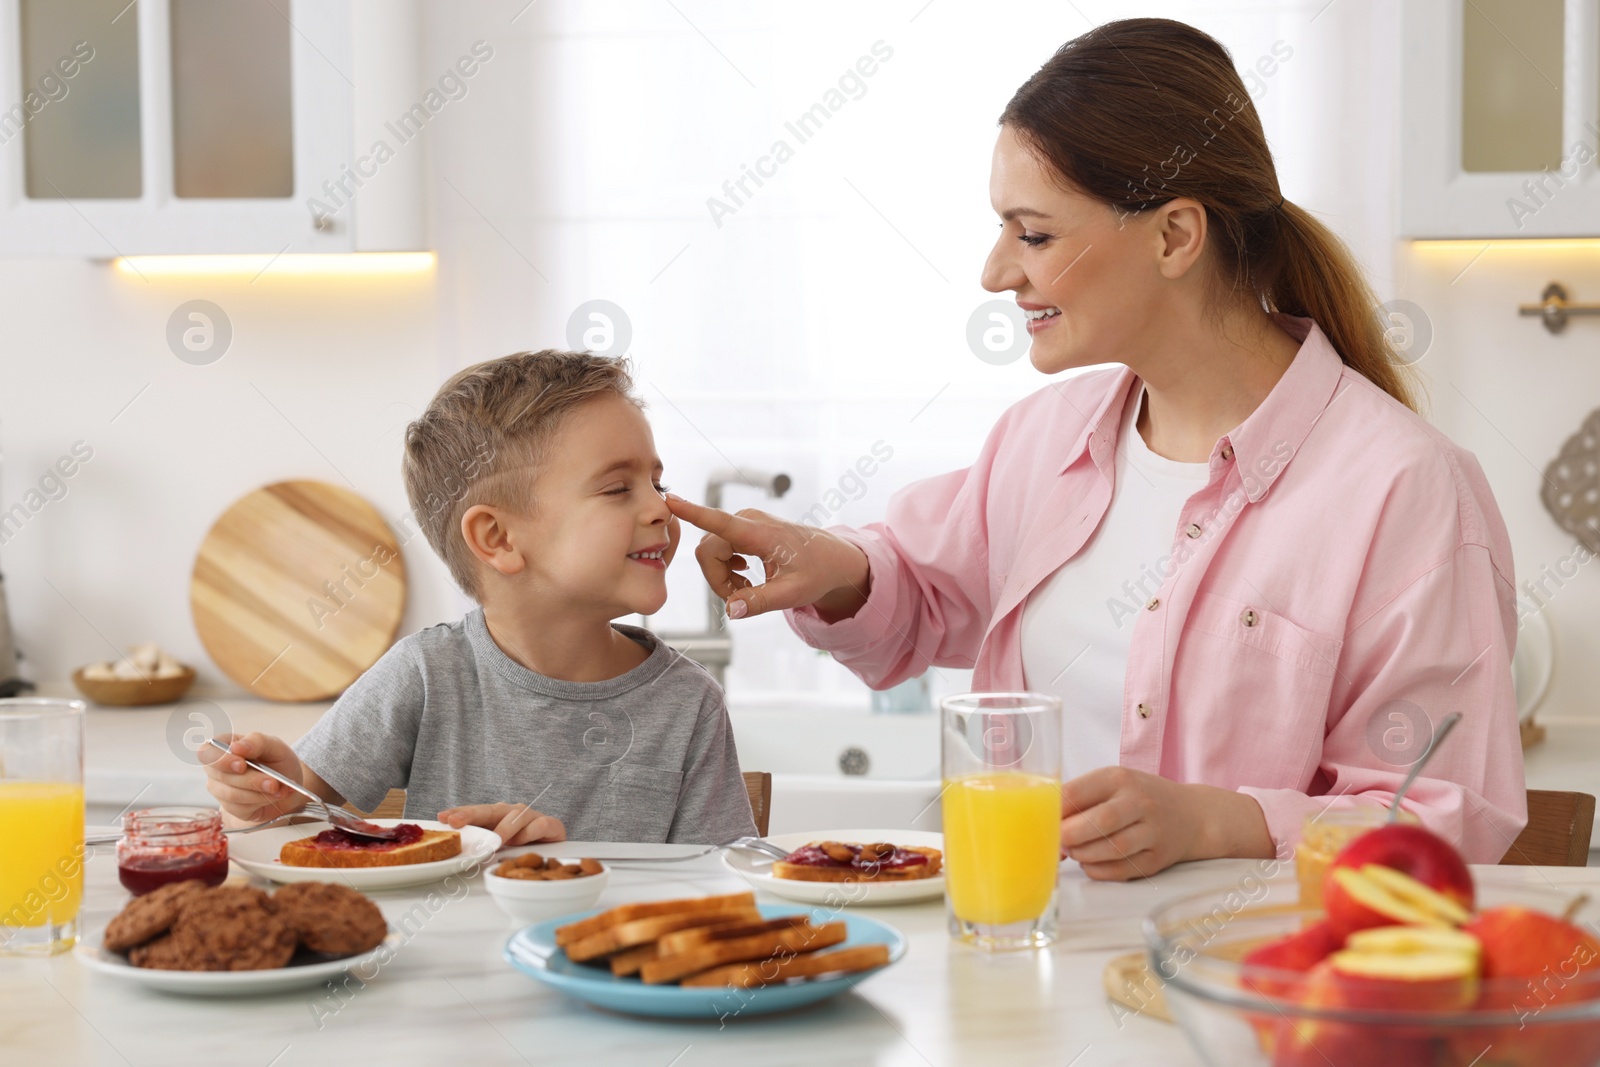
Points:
[(142, 663)]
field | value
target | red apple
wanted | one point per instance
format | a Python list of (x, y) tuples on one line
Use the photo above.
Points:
[(1389, 968), (1285, 960), (1519, 942), (1532, 962), (1397, 874), (1298, 952)]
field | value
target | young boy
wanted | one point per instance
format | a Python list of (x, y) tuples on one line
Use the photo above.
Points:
[(536, 480)]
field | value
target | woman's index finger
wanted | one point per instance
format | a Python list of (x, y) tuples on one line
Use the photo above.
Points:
[(737, 531)]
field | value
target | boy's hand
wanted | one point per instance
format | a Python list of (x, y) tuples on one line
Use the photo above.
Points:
[(248, 795), (517, 824)]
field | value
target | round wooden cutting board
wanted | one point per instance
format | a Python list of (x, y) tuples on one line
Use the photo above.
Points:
[(297, 589)]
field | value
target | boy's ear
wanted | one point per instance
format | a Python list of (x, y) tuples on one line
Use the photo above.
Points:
[(488, 537)]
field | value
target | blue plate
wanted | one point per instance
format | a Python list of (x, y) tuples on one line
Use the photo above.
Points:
[(533, 951)]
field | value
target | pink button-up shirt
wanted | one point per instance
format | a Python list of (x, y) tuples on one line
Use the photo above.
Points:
[(1341, 584)]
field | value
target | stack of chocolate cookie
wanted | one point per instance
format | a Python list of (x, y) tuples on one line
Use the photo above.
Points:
[(189, 927)]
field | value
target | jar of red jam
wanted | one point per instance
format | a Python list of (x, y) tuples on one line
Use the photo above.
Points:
[(164, 845)]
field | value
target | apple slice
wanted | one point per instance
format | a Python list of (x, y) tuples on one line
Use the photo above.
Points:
[(1420, 855), (1432, 960), (1373, 895), (1388, 968)]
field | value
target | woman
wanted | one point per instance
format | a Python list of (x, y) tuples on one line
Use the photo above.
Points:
[(1255, 575)]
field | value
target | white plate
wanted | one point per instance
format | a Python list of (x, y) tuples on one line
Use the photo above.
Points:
[(756, 870), (235, 983), (258, 854)]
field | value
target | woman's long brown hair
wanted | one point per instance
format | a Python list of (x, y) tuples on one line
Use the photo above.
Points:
[(1138, 112)]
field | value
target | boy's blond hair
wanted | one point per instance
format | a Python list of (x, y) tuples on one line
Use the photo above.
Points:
[(485, 434)]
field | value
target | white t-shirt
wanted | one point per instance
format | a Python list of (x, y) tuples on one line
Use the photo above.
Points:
[(1077, 625)]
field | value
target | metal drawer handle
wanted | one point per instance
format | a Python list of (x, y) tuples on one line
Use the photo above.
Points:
[(1554, 308)]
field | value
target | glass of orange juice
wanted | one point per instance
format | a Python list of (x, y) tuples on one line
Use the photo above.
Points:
[(41, 825), (1002, 817)]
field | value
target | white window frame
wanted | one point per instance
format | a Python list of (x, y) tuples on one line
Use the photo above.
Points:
[(1440, 200), (158, 222)]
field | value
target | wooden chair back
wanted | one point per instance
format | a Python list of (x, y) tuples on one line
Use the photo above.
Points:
[(759, 785), (393, 806), (1557, 834)]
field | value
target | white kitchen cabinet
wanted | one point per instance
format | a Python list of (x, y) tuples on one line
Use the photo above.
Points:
[(190, 126), (1500, 118)]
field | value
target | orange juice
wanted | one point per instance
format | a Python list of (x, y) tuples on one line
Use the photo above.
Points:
[(1002, 845), (41, 838)]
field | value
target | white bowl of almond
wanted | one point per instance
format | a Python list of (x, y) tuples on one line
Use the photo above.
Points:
[(531, 888)]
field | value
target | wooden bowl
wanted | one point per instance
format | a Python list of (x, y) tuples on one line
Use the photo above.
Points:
[(132, 692)]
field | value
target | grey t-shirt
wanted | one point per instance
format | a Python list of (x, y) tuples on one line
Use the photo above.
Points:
[(450, 718)]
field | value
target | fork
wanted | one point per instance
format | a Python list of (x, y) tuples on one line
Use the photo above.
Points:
[(749, 844), (348, 821)]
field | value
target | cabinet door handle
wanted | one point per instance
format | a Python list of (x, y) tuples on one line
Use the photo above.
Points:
[(1554, 308)]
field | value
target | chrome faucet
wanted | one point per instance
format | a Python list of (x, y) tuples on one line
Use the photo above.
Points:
[(712, 647)]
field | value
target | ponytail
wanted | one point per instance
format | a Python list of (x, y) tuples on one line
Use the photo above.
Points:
[(1115, 107)]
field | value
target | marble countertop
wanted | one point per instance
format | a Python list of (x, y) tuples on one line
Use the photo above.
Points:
[(448, 997)]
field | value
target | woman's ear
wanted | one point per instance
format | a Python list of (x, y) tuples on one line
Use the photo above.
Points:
[(1181, 233), (488, 537)]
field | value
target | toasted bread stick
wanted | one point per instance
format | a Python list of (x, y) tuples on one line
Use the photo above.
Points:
[(741, 949), (642, 931), (622, 913), (682, 940), (805, 965), (629, 961)]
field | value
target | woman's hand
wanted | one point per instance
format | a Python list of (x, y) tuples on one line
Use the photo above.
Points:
[(517, 824), (1120, 823), (248, 795), (804, 565)]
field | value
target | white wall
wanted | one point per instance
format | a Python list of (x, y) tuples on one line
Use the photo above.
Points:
[(827, 314)]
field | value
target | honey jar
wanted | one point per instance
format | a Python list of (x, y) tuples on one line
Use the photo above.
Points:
[(1324, 836)]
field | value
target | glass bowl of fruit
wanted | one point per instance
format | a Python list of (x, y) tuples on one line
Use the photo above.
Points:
[(1406, 963)]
